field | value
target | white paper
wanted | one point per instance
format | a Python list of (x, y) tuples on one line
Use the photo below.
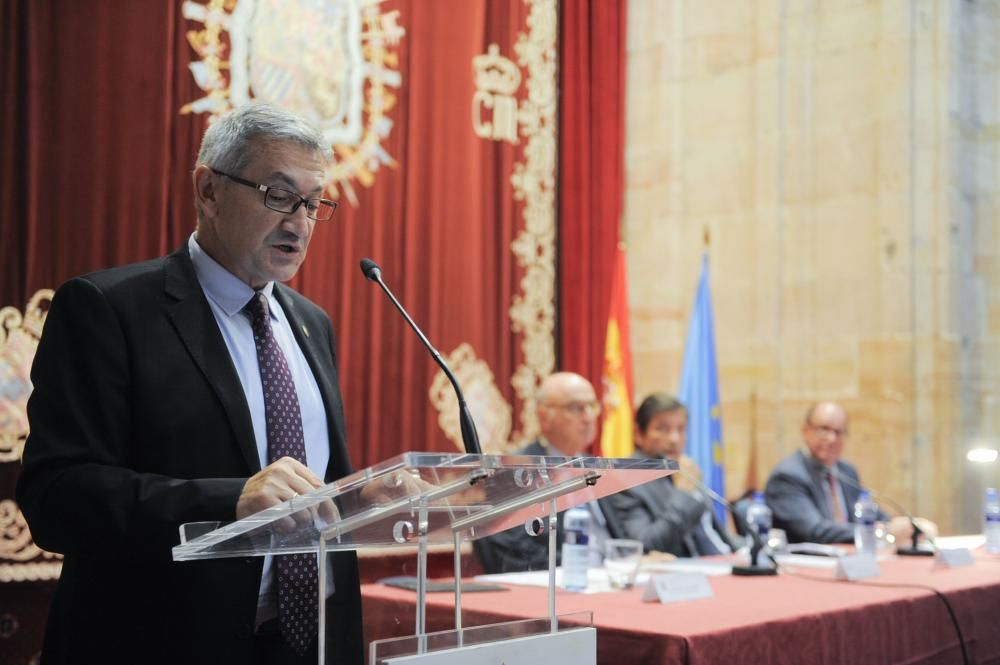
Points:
[(806, 561), (597, 579), (971, 542), (703, 566)]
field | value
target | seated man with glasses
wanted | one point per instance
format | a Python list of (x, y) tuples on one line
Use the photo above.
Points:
[(669, 514), (812, 491), (567, 417)]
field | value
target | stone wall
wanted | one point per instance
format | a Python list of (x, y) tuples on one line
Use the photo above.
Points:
[(841, 156)]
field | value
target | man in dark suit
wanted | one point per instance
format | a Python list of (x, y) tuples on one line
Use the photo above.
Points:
[(808, 500), (567, 417), (152, 407), (669, 514)]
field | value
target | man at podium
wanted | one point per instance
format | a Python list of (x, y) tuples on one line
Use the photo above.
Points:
[(194, 387)]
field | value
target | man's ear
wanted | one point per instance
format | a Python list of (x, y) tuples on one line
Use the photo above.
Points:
[(204, 190)]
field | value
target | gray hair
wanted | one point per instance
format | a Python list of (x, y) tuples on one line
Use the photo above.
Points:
[(228, 143)]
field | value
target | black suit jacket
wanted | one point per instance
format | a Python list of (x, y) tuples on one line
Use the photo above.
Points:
[(515, 550), (796, 494), (139, 424), (664, 517)]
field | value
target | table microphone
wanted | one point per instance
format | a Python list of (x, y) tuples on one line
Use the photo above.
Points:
[(758, 545), (913, 549), (470, 438)]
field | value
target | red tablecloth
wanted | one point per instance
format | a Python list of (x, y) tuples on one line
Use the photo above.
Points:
[(783, 619)]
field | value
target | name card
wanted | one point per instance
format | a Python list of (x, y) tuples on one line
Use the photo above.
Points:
[(677, 587), (954, 557), (856, 567)]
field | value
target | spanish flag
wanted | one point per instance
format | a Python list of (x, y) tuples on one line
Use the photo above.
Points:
[(616, 432)]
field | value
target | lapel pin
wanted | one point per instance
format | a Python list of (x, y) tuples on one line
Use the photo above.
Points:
[(305, 330)]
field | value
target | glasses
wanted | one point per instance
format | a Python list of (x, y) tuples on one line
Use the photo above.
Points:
[(591, 408), (282, 200), (832, 431)]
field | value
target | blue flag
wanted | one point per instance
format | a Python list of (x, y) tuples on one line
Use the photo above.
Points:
[(700, 391)]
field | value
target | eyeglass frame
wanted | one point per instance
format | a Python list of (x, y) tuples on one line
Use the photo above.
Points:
[(267, 188), (827, 429), (578, 408)]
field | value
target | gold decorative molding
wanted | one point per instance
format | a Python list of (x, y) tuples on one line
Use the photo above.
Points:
[(19, 335), (491, 413), (30, 572), (30, 562), (497, 79), (532, 312), (333, 62)]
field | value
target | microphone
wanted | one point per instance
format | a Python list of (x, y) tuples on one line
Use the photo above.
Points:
[(902, 550), (470, 438), (758, 547)]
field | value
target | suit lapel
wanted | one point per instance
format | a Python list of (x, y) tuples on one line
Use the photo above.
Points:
[(850, 492), (817, 486), (192, 317)]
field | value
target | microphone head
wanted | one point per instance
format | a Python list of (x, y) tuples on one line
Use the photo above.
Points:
[(370, 270)]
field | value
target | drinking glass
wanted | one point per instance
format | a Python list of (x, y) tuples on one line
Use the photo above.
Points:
[(621, 559)]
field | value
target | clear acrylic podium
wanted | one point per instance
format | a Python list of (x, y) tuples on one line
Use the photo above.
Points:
[(437, 498)]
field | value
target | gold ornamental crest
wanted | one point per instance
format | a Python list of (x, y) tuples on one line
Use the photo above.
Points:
[(19, 335), (331, 61)]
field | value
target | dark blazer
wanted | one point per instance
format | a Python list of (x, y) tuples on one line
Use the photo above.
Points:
[(663, 517), (515, 550), (797, 496), (139, 424)]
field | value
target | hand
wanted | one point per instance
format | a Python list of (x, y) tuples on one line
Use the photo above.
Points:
[(928, 527), (902, 530), (277, 482), (689, 470)]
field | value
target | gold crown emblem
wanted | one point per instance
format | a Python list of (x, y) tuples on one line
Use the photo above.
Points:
[(495, 73)]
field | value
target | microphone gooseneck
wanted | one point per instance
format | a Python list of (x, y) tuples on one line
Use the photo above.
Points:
[(913, 549), (758, 545), (470, 438)]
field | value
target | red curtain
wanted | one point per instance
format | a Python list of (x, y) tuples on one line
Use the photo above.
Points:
[(95, 168), (95, 164), (591, 176)]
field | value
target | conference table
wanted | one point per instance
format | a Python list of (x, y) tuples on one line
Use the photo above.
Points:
[(803, 615)]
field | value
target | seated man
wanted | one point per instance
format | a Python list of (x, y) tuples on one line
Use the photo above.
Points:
[(811, 502), (669, 515), (567, 417)]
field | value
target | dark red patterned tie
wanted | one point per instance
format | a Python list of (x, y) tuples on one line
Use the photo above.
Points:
[(296, 580)]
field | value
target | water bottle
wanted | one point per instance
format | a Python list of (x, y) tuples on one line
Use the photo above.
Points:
[(865, 515), (575, 548), (759, 522), (991, 521)]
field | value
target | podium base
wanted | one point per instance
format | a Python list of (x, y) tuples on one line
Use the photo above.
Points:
[(754, 571)]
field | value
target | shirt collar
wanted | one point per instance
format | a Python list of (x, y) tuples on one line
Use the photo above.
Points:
[(222, 287), (813, 462), (550, 450)]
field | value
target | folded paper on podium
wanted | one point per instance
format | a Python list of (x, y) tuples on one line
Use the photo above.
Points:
[(423, 499)]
